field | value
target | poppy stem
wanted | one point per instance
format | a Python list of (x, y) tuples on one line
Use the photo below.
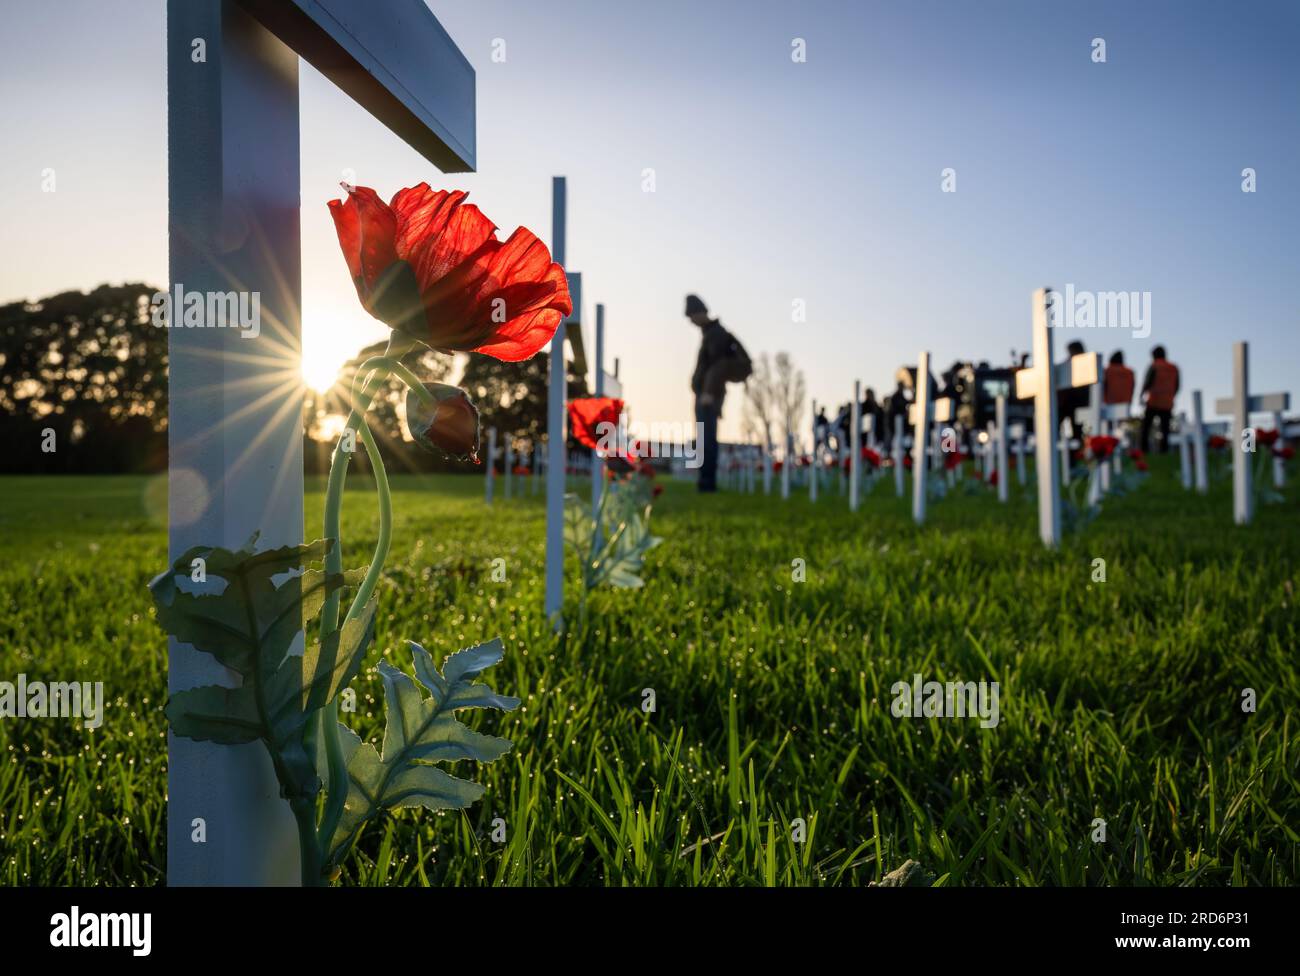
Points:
[(327, 724)]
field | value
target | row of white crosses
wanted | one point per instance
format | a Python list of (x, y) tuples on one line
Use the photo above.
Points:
[(235, 443)]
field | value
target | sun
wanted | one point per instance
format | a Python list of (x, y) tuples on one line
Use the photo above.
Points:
[(320, 365)]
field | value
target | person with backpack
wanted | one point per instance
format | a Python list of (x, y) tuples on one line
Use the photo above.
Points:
[(722, 360)]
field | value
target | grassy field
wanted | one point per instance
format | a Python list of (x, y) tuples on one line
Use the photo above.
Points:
[(1119, 700)]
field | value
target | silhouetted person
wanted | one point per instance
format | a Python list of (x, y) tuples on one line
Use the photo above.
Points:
[(821, 430), (721, 360), (896, 406), (1071, 399), (1159, 387), (871, 408), (1118, 383)]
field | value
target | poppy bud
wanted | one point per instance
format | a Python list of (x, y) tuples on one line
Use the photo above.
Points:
[(447, 423)]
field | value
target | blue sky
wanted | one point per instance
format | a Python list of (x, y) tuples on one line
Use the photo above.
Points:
[(775, 181)]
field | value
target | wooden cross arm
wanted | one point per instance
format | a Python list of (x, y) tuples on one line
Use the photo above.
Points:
[(1264, 403), (1081, 370), (395, 59), (942, 411)]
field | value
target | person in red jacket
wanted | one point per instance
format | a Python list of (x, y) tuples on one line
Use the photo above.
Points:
[(1159, 388), (1118, 383)]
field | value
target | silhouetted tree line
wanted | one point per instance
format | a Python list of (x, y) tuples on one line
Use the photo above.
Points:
[(86, 373)]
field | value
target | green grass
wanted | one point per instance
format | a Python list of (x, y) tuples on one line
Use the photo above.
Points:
[(1119, 700)]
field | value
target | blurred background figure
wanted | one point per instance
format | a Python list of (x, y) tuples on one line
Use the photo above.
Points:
[(1159, 387), (721, 360), (1118, 383)]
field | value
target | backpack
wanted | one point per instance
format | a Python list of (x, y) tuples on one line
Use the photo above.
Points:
[(737, 367)]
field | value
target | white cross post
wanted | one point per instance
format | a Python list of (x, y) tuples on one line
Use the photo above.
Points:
[(1018, 435), (786, 462), (489, 475), (1241, 405), (507, 466), (235, 429), (556, 393), (896, 454), (1000, 412), (1199, 461), (816, 455), (1040, 382), (1279, 465), (1185, 451), (924, 411), (598, 465), (855, 445)]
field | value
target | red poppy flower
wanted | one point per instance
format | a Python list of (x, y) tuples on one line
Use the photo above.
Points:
[(776, 466), (656, 491), (1266, 437), (1217, 442), (871, 457), (449, 423), (1140, 464), (953, 459), (907, 461), (1286, 452), (430, 266), (993, 478), (520, 469), (1102, 446), (587, 417), (1135, 453)]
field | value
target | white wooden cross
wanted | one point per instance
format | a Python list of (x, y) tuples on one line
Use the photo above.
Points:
[(490, 465), (1199, 446), (1041, 382), (816, 458), (896, 453), (556, 393), (507, 466), (924, 411), (1017, 432), (1185, 451), (235, 429), (855, 445), (787, 462), (597, 464), (1241, 405), (1000, 413)]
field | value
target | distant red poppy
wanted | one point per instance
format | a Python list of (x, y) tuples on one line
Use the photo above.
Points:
[(907, 461), (1102, 446), (993, 478), (588, 414), (656, 491), (1135, 453), (953, 459), (1217, 442), (1266, 437), (1286, 452), (430, 266), (1140, 464), (776, 465), (871, 457)]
